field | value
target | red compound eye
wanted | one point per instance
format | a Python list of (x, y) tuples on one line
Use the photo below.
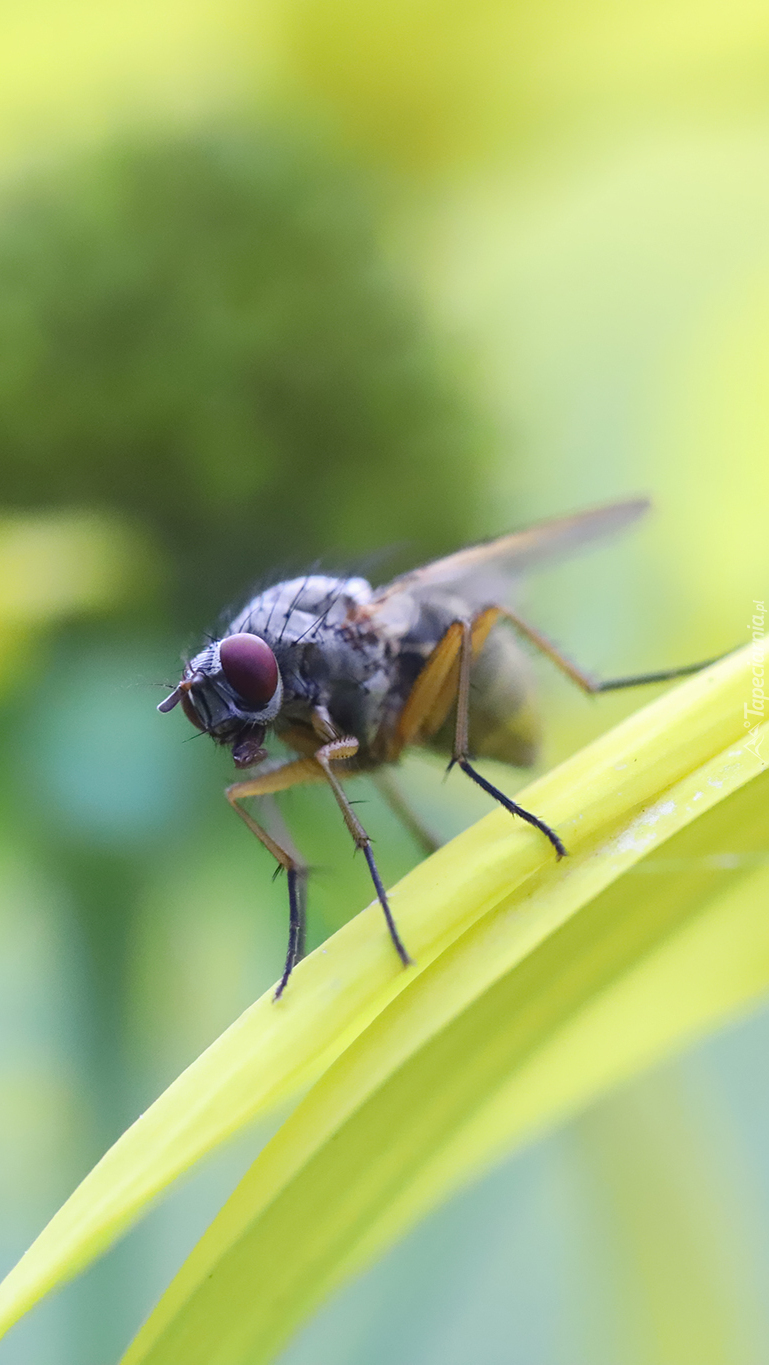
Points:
[(250, 668)]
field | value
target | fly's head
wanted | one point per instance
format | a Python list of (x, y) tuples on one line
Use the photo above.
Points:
[(232, 690)]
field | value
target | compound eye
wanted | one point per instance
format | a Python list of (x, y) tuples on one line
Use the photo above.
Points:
[(250, 668)]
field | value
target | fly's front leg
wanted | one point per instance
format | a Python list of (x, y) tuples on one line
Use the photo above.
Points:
[(277, 829), (285, 854), (461, 756), (336, 750)]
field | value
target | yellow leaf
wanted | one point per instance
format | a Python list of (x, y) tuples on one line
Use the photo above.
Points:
[(486, 919), (408, 1113)]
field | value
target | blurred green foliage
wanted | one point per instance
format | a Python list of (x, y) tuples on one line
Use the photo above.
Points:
[(205, 332)]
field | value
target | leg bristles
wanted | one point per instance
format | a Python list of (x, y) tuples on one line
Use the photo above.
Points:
[(512, 806), (377, 880)]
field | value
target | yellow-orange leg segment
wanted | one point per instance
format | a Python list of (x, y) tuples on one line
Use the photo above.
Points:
[(435, 689)]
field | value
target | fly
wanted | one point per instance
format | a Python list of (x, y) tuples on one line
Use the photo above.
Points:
[(348, 676)]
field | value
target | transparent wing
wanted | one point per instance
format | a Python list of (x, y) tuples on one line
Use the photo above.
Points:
[(482, 574)]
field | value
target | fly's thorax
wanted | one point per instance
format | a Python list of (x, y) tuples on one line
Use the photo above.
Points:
[(329, 652), (302, 608), (339, 669)]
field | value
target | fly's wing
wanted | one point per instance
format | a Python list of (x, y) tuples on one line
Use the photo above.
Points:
[(481, 574)]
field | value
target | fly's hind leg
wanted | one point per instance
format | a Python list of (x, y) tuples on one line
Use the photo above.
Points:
[(461, 755), (445, 678), (285, 775), (585, 680)]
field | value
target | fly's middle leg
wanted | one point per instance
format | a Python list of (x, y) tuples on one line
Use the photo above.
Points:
[(336, 750), (428, 839)]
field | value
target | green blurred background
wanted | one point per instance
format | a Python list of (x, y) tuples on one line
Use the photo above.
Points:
[(348, 283)]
